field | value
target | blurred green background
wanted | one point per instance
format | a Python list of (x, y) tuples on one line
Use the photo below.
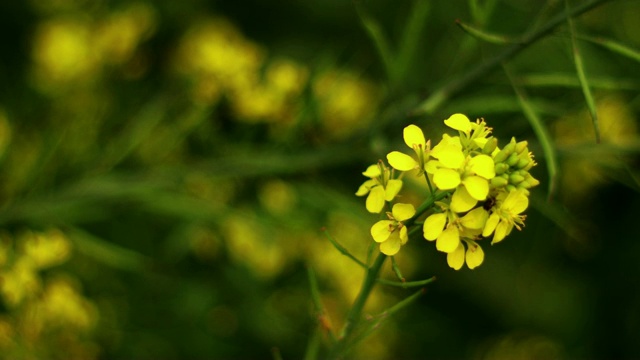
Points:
[(166, 169)]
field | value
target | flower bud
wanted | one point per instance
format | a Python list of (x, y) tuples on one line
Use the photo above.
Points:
[(501, 168), (516, 178), (511, 188), (490, 145), (513, 159), (522, 163), (499, 181), (521, 147)]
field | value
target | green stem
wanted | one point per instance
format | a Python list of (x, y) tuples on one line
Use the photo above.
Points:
[(453, 87), (354, 315), (426, 205)]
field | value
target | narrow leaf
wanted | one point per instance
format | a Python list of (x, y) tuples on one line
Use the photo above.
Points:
[(407, 284), (324, 323), (584, 84), (374, 31), (541, 132), (411, 37), (108, 253), (377, 321), (343, 250), (484, 35), (613, 46), (396, 269)]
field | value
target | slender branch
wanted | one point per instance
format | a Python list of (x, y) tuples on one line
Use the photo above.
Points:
[(456, 85), (343, 250), (354, 315), (407, 284)]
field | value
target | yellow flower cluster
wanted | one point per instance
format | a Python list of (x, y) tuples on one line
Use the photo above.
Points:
[(44, 310), (482, 190)]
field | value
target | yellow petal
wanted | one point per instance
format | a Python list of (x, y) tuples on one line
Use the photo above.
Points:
[(483, 165), (404, 235), (449, 240), (502, 230), (477, 187), (516, 202), (402, 212), (413, 136), (475, 256), (380, 230), (432, 166), (461, 201), (475, 219), (491, 224), (392, 189), (450, 156), (455, 259), (391, 246), (446, 179), (433, 225), (365, 187), (372, 171), (400, 161), (459, 122), (375, 200)]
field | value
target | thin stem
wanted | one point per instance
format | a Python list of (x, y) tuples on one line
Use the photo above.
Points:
[(407, 284), (354, 315), (343, 250), (456, 85), (426, 205), (426, 176)]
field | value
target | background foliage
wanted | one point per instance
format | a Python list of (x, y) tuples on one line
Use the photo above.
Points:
[(166, 168)]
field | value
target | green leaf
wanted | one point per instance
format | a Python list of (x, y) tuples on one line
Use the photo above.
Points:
[(343, 250), (613, 46), (584, 83), (107, 253), (374, 31), (541, 132), (484, 35), (411, 38), (457, 84)]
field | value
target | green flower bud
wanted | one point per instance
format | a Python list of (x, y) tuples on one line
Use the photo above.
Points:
[(501, 168), (499, 181), (516, 178), (490, 145), (522, 163), (511, 188), (524, 185), (501, 156), (513, 159), (521, 147)]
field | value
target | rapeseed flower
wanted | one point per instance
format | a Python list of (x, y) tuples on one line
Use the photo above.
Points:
[(414, 138), (380, 187), (505, 215), (392, 234)]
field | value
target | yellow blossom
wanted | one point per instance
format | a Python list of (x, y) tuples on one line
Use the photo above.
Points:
[(447, 228), (380, 187), (506, 214), (392, 234), (473, 256), (414, 138), (468, 175)]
